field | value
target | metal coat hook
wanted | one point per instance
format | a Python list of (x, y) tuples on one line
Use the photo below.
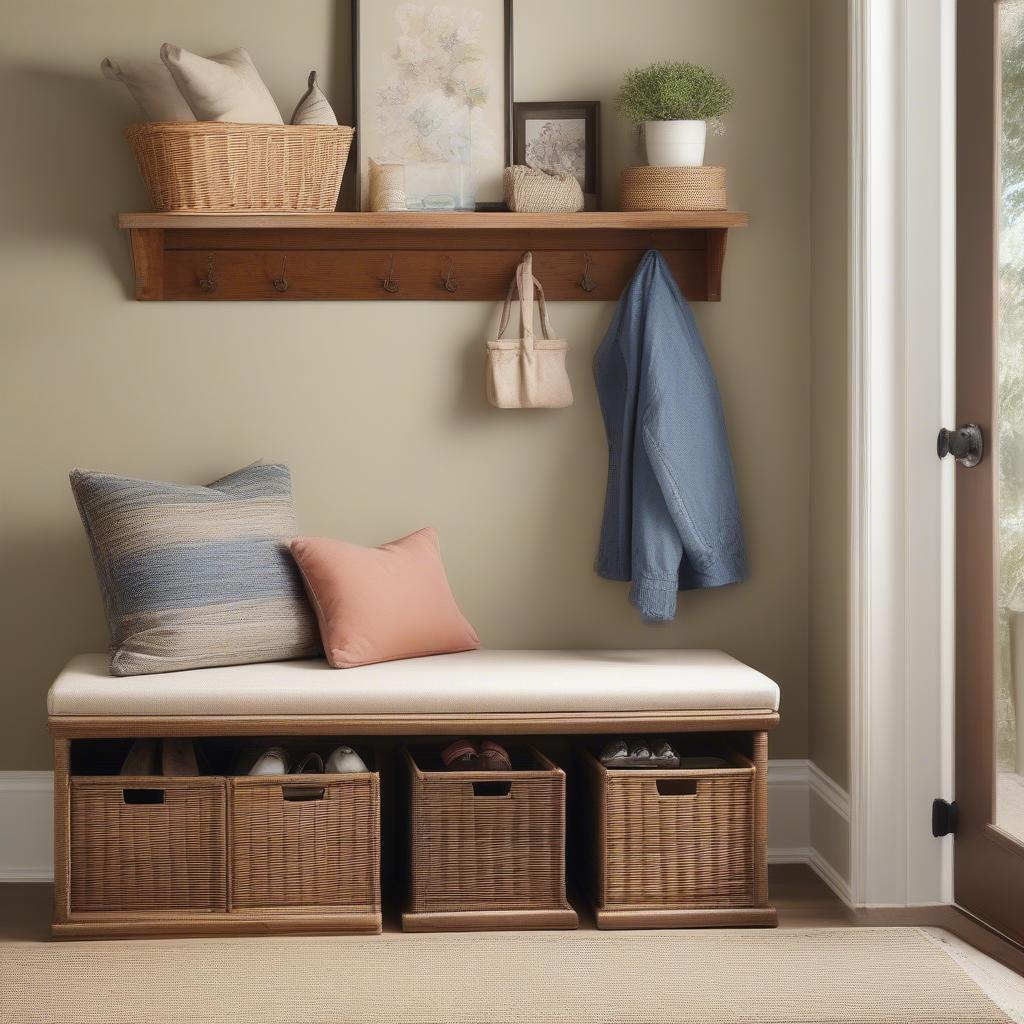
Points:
[(281, 281), (587, 282), (448, 275), (209, 282), (390, 284)]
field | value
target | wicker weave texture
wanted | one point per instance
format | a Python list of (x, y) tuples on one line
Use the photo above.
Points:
[(673, 188), (148, 856), (218, 166), (320, 850), (659, 847), (477, 851), (528, 190)]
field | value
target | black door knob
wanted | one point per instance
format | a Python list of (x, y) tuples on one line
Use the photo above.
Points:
[(965, 444)]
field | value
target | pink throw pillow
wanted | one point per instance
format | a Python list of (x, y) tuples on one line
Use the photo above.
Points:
[(381, 604)]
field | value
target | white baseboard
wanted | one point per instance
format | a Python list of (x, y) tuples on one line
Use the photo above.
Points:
[(794, 790), (809, 822), (26, 826)]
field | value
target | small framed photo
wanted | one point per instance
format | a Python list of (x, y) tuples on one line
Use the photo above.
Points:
[(561, 137)]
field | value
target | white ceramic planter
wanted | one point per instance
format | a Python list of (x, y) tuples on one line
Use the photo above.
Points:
[(675, 143)]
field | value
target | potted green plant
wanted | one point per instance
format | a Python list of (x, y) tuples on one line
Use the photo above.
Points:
[(673, 102)]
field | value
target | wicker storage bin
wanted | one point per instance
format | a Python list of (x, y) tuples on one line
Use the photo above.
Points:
[(216, 166), (145, 844), (489, 841), (672, 839), (310, 841), (673, 188)]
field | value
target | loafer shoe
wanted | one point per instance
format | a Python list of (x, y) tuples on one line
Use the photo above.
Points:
[(344, 759), (178, 758), (272, 761), (311, 764), (142, 758)]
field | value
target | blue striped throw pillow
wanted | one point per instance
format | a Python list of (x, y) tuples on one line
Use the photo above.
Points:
[(197, 576)]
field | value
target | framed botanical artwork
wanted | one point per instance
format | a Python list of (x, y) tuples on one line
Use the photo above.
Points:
[(433, 93), (561, 137)]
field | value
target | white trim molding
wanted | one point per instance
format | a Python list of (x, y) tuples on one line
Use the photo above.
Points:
[(901, 378), (26, 821), (809, 822), (26, 826)]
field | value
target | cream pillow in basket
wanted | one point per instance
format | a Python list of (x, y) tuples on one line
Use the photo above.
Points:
[(223, 88), (152, 87)]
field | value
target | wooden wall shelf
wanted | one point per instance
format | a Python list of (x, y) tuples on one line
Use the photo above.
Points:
[(445, 256)]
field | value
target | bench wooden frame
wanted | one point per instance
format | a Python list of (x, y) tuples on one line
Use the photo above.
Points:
[(64, 729)]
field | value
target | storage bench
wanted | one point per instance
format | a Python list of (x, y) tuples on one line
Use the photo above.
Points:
[(517, 694)]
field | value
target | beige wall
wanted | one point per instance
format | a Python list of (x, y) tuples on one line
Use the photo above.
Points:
[(380, 409), (828, 670)]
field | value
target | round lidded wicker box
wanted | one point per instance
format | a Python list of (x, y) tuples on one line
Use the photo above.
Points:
[(673, 188), (216, 166)]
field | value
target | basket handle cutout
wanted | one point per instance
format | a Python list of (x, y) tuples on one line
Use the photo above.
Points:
[(500, 789), (143, 796), (302, 794), (677, 787)]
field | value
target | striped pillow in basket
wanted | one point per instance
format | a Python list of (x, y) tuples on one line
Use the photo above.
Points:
[(194, 577)]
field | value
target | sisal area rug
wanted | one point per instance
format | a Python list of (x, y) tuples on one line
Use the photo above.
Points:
[(862, 975)]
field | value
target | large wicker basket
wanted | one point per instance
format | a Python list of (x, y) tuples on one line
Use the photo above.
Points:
[(214, 166), (672, 839), (308, 841), (487, 841), (673, 188), (144, 844)]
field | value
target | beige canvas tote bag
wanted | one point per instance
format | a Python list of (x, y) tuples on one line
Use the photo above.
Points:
[(527, 373)]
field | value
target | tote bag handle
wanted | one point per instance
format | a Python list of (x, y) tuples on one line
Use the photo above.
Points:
[(525, 282)]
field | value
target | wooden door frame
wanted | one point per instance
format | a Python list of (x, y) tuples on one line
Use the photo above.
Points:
[(902, 275), (985, 855)]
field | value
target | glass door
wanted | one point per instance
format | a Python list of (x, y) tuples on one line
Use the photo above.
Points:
[(1010, 676), (989, 851)]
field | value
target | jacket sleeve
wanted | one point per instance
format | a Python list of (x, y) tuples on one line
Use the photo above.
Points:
[(686, 447), (657, 547)]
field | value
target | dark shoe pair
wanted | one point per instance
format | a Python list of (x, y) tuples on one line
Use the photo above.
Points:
[(639, 752), (465, 756), (174, 757)]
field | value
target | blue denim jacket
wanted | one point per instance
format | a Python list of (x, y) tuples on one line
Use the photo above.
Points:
[(671, 518)]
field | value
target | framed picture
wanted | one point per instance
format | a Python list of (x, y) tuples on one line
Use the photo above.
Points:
[(562, 138), (433, 91)]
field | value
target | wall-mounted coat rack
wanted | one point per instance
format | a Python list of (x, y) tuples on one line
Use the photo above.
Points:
[(446, 256)]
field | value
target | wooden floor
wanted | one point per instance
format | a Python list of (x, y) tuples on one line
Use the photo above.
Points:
[(802, 898), (803, 901)]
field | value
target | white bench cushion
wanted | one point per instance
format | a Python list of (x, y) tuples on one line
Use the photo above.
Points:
[(468, 683)]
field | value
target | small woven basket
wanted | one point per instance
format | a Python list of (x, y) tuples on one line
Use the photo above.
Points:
[(529, 190), (164, 852), (672, 838), (474, 849), (215, 166), (673, 188), (312, 841)]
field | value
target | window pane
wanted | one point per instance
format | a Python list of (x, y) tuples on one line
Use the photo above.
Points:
[(1010, 677)]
